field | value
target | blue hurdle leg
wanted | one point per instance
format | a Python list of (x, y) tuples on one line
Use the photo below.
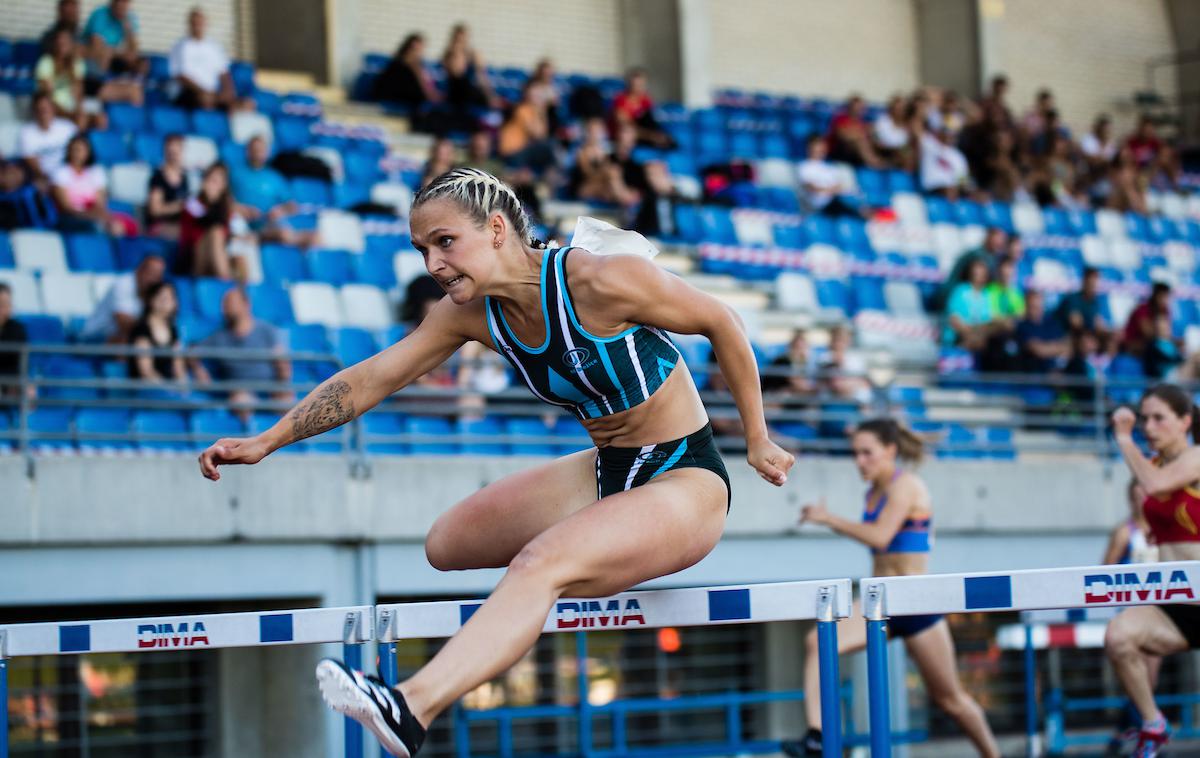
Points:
[(831, 713), (354, 730), (1032, 746), (388, 673), (877, 689)]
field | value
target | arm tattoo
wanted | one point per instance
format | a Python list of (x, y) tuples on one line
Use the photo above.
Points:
[(331, 406)]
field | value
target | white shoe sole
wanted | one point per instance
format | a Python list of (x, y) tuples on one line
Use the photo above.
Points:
[(343, 695)]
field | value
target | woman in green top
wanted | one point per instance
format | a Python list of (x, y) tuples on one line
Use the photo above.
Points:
[(59, 73), (1003, 293)]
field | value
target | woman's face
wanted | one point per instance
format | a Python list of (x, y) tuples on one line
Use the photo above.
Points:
[(443, 152), (1162, 426), (164, 303), (63, 44), (871, 456), (173, 151), (43, 111), (78, 152), (1006, 273), (460, 256), (978, 274), (215, 183)]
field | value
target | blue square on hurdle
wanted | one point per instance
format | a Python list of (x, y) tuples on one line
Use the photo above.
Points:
[(75, 639), (988, 592), (728, 605), (276, 627), (1076, 615), (466, 611)]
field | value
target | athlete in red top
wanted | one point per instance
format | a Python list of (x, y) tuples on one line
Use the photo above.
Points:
[(1172, 510)]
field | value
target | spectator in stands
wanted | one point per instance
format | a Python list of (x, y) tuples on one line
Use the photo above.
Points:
[(1040, 121), (891, 134), (843, 373), (821, 188), (525, 136), (113, 319), (596, 176), (1099, 146), (481, 154), (1144, 142), (650, 181), (66, 17), (242, 331), (263, 198), (543, 74), (200, 67), (1041, 344), (1052, 178), (204, 228), (1166, 172), (22, 204), (60, 73), (995, 245), (1141, 330), (954, 113), (1080, 311), (11, 332), (420, 296), (168, 191), (156, 330), (1163, 352), (43, 141), (794, 371), (944, 168), (996, 102), (442, 158), (1123, 190), (467, 84), (1086, 364), (407, 83), (110, 37), (970, 322), (635, 106), (81, 194), (1004, 292), (849, 138)]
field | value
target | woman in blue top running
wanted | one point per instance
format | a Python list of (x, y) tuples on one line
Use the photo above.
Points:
[(587, 333), (897, 523)]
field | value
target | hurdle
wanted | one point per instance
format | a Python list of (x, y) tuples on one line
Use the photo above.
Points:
[(992, 592), (351, 625), (823, 601)]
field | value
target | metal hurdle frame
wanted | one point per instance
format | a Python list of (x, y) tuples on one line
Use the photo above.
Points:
[(991, 592), (350, 625), (823, 601)]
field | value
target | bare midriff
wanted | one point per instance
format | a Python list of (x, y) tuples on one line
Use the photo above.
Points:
[(673, 412)]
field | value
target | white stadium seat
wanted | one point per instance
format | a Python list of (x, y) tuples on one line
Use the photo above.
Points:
[(910, 208), (130, 182), (245, 126), (199, 152), (316, 303), (9, 131), (1027, 218), (903, 299), (394, 194), (1124, 253), (408, 266), (795, 292), (775, 172), (331, 158), (1120, 305), (1095, 252), (67, 295), (36, 250), (27, 298), (365, 306), (341, 231), (1110, 223), (754, 229)]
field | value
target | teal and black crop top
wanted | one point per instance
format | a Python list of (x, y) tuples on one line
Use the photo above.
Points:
[(591, 376), (914, 534)]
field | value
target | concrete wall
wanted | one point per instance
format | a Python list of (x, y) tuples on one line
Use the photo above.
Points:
[(1091, 53), (813, 47), (163, 22)]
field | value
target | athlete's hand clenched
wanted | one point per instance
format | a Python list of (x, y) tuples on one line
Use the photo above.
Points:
[(770, 461)]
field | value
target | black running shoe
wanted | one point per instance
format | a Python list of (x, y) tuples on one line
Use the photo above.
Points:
[(810, 745), (372, 703)]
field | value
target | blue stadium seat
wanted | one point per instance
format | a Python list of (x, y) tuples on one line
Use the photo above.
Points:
[(687, 223), (90, 252), (361, 167), (270, 303), (131, 251), (267, 102), (193, 328), (160, 67), (743, 145), (25, 52), (968, 212), (819, 230), (384, 423), (208, 297), (716, 225), (1000, 443), (831, 293), (572, 437), (851, 234), (208, 426), (868, 293), (52, 367), (185, 292), (6, 52), (375, 267), (291, 133), (775, 146), (282, 264), (901, 181), (534, 429), (126, 119), (108, 147), (1081, 222), (154, 422), (353, 345), (51, 421), (168, 120), (148, 147), (873, 184), (790, 236), (6, 256), (242, 74), (311, 191), (99, 428), (958, 443), (330, 266), (484, 427), (780, 199), (1056, 221), (211, 124), (308, 338), (431, 428), (261, 422), (940, 210), (44, 330), (999, 215)]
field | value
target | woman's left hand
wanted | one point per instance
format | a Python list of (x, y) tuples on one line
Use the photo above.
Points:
[(814, 514), (770, 461)]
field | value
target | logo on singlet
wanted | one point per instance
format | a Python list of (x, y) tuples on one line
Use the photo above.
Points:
[(653, 455), (579, 358)]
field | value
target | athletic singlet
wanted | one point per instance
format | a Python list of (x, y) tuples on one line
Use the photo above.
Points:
[(1175, 518), (591, 376), (1138, 549), (914, 534)]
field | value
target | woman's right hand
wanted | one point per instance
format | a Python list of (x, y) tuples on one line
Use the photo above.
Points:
[(1123, 421), (231, 451)]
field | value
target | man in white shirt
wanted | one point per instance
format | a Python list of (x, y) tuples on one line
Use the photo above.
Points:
[(201, 68), (121, 306), (943, 166), (43, 141), (821, 183)]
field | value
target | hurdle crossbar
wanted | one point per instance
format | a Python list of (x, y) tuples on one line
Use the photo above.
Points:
[(998, 591)]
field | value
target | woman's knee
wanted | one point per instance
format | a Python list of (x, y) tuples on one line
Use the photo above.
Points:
[(1121, 640), (440, 548)]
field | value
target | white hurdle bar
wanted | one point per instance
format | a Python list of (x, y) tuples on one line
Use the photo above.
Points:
[(990, 592), (823, 601), (352, 626)]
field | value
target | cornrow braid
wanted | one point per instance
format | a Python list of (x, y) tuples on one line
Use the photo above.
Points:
[(480, 194)]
